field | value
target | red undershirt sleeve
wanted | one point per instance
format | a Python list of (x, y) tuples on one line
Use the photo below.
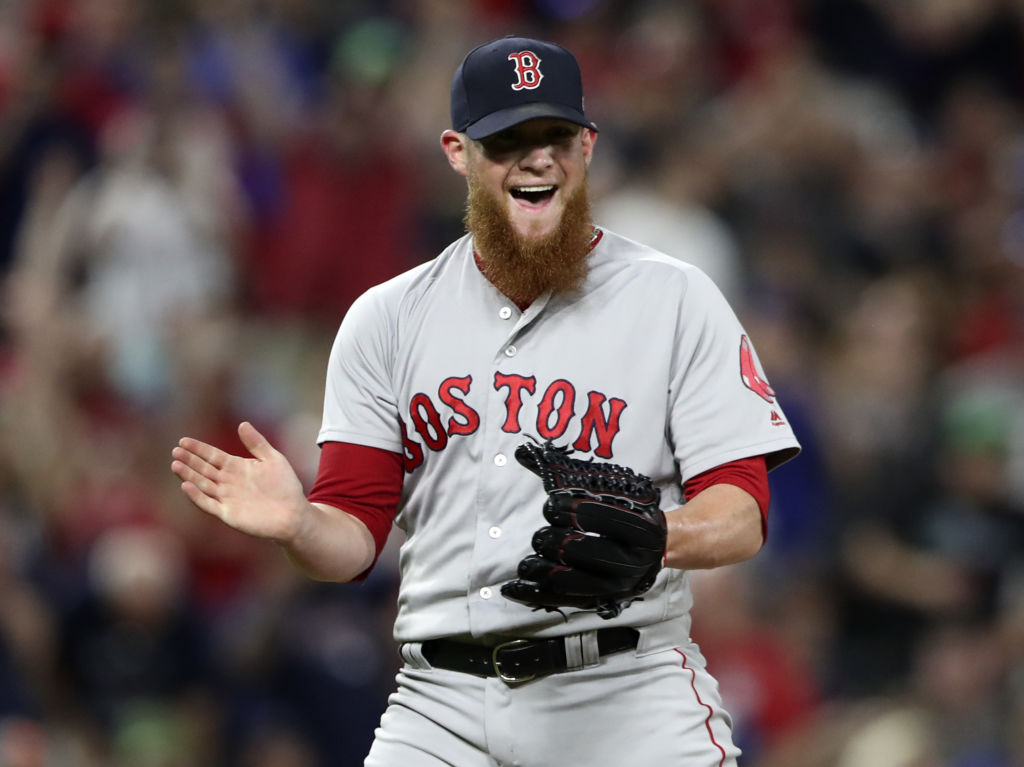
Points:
[(364, 481), (750, 474)]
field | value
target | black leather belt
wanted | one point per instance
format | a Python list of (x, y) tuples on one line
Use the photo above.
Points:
[(519, 660)]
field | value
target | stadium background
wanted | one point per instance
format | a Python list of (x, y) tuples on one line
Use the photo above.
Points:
[(192, 193)]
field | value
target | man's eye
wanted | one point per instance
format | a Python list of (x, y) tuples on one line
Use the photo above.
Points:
[(507, 143), (500, 144)]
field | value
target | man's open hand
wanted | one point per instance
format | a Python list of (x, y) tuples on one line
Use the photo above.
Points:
[(261, 495)]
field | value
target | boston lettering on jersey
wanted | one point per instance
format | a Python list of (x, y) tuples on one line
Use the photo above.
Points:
[(592, 424)]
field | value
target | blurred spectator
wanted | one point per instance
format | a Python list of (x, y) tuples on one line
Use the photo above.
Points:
[(664, 208), (343, 215), (134, 656), (918, 51), (882, 435), (328, 662)]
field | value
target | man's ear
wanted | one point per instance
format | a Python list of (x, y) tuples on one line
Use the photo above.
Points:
[(589, 139), (456, 148)]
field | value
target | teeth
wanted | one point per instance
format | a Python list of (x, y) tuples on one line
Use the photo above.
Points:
[(546, 188)]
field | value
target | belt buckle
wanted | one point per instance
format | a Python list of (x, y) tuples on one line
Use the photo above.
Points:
[(511, 681)]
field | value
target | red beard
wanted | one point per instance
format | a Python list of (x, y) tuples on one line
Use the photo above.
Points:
[(524, 269)]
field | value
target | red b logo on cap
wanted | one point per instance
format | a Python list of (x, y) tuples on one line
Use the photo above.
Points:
[(527, 70)]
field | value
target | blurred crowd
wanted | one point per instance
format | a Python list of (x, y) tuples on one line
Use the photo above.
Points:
[(192, 193)]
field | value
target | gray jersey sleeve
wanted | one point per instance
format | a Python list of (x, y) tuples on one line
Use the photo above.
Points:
[(359, 400), (721, 405)]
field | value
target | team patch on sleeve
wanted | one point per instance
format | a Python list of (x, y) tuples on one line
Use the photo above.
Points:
[(752, 375)]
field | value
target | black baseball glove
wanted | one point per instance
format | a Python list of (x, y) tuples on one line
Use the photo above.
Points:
[(606, 539)]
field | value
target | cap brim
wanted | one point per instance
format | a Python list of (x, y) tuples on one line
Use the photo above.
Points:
[(506, 118)]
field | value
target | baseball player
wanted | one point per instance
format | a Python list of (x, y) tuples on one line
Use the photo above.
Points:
[(563, 422)]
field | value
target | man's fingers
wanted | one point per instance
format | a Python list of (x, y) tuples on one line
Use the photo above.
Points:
[(254, 442), (212, 455), (200, 499), (201, 482), (195, 463)]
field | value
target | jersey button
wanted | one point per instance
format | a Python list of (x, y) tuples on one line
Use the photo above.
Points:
[(494, 532), (504, 312), (485, 592), (510, 351), (500, 459)]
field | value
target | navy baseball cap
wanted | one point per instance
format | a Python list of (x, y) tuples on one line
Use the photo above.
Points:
[(508, 81)]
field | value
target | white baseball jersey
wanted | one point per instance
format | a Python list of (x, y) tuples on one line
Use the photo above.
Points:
[(647, 366)]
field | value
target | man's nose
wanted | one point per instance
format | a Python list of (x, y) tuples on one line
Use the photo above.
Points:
[(537, 157)]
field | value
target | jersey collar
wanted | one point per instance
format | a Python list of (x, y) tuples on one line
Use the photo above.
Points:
[(596, 238)]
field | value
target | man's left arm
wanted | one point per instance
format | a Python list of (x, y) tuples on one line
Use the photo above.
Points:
[(721, 525), (724, 520)]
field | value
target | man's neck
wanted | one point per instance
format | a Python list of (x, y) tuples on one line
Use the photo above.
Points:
[(522, 302)]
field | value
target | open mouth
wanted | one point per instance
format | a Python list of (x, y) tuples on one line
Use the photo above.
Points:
[(534, 195)]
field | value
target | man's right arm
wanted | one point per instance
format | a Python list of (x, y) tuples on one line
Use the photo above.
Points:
[(331, 544), (263, 497)]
